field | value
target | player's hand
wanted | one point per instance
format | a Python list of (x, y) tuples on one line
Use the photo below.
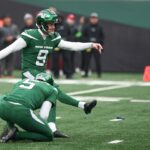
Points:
[(98, 47)]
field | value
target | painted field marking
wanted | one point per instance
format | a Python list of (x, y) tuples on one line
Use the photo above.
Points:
[(115, 142), (87, 82), (139, 101), (101, 99), (116, 120), (58, 117), (99, 89), (113, 85), (110, 99), (80, 92), (7, 80), (103, 82)]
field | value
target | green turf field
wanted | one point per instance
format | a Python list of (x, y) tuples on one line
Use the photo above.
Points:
[(123, 95)]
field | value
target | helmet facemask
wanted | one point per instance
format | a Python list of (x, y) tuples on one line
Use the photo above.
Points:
[(44, 28)]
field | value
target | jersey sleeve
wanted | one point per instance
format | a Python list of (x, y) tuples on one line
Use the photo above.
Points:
[(57, 39), (52, 96)]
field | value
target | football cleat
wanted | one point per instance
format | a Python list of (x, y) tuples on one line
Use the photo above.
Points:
[(9, 136), (89, 106), (58, 134)]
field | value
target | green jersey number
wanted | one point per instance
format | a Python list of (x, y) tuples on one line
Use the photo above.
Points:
[(27, 84), (41, 58)]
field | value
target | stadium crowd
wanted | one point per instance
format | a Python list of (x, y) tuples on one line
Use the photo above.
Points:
[(71, 28)]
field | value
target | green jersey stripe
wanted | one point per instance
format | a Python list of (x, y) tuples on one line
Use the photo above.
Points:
[(59, 37), (29, 36)]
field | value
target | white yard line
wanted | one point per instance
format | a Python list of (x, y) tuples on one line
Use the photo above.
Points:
[(116, 120), (99, 89), (110, 99), (139, 101), (102, 82), (113, 85), (58, 117), (107, 99), (7, 80), (115, 142), (101, 98), (87, 82)]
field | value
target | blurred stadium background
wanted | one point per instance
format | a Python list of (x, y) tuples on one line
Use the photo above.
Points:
[(120, 90), (125, 23)]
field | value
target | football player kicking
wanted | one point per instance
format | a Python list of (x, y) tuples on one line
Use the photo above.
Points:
[(36, 45), (18, 107)]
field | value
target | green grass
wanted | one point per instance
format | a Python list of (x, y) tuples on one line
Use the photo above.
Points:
[(74, 88), (94, 131), (133, 92), (105, 76)]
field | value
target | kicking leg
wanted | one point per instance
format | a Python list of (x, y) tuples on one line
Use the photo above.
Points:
[(66, 99)]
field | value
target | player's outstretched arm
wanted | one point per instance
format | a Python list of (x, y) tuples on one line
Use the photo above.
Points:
[(78, 46), (15, 46)]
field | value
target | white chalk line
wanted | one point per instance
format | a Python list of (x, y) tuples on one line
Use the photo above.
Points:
[(101, 98), (58, 117), (116, 85), (91, 90), (87, 82), (107, 99), (115, 142), (99, 89), (111, 99), (115, 120), (139, 101)]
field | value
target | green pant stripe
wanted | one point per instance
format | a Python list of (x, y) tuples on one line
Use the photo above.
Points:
[(14, 103)]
